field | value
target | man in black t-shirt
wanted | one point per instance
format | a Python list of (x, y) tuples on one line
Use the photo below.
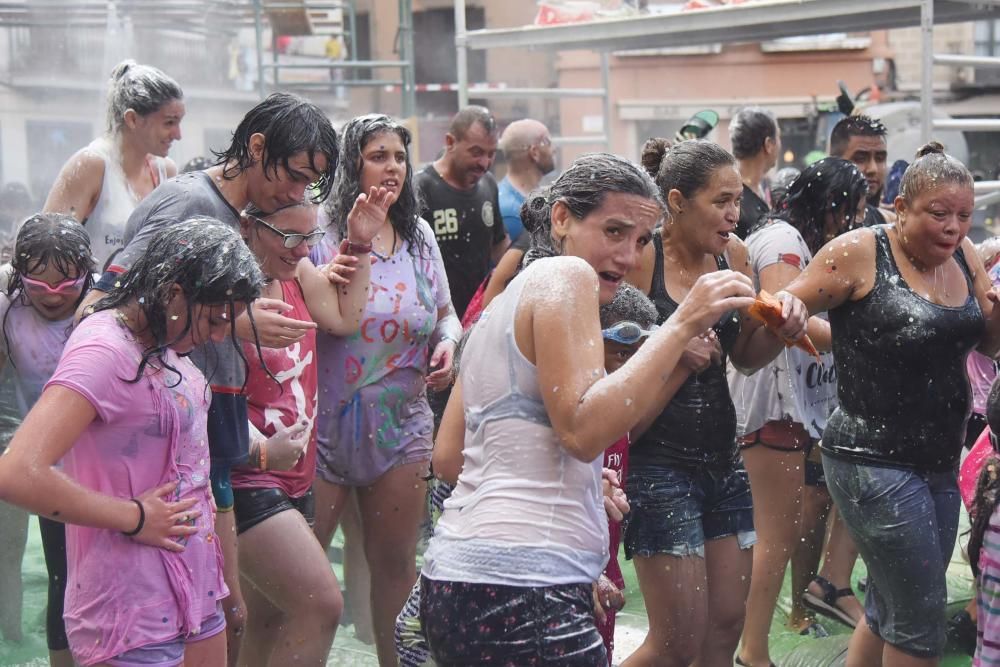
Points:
[(459, 198), (862, 140)]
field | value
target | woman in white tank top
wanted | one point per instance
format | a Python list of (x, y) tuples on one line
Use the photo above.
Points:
[(509, 570), (103, 182)]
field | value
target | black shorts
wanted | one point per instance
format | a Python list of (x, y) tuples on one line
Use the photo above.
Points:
[(252, 506)]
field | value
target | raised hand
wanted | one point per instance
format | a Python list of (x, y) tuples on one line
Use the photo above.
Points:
[(341, 268), (368, 214)]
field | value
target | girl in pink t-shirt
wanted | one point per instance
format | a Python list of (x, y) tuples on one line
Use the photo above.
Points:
[(291, 585), (126, 414)]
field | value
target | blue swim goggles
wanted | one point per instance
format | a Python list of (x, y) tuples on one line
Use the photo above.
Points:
[(627, 333)]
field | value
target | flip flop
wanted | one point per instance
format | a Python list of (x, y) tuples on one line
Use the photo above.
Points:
[(743, 664), (814, 630), (827, 604)]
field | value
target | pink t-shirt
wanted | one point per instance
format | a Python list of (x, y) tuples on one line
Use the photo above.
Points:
[(273, 404), (121, 594)]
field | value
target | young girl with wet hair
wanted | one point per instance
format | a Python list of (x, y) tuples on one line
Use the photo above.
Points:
[(509, 571), (293, 609), (125, 412), (102, 183), (782, 409), (684, 461), (375, 432), (907, 303), (52, 270)]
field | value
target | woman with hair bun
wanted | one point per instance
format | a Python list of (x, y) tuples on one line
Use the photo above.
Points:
[(508, 573), (101, 183), (691, 525), (907, 303)]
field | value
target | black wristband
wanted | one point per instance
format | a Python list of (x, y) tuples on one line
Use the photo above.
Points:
[(142, 519)]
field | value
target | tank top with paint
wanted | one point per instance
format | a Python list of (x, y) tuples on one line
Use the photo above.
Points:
[(273, 405), (903, 389), (106, 222), (698, 425)]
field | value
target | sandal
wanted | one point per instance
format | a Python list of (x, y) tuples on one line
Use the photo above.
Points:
[(827, 605), (814, 630)]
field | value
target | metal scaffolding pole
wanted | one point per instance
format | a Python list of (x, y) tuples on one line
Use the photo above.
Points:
[(258, 25), (606, 108), (461, 55), (406, 54), (927, 69)]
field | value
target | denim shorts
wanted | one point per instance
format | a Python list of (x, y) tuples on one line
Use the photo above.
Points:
[(520, 626), (171, 653), (904, 523), (253, 506), (675, 510)]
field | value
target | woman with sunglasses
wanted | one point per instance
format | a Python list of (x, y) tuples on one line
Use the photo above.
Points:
[(293, 602), (507, 576), (52, 270), (375, 434)]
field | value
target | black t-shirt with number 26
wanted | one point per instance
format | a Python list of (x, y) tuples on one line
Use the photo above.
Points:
[(467, 225)]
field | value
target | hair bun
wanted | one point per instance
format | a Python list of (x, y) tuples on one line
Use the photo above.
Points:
[(535, 209), (653, 152), (930, 148), (122, 68)]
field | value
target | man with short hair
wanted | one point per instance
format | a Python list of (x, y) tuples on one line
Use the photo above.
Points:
[(862, 140), (459, 198), (527, 147)]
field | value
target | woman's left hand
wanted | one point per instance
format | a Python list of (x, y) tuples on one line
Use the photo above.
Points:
[(607, 597), (441, 361), (368, 215), (341, 268), (615, 501), (796, 317)]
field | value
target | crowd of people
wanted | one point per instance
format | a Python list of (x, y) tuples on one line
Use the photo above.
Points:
[(206, 374)]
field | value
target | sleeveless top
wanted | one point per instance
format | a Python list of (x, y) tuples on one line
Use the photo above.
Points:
[(106, 222), (272, 405), (698, 425), (524, 511), (903, 389)]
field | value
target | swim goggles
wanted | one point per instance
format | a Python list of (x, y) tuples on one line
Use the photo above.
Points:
[(67, 286), (627, 333)]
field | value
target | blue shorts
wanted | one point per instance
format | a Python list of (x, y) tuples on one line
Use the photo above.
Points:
[(904, 524), (676, 510), (171, 653)]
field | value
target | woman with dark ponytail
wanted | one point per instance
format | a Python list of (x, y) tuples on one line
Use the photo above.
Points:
[(907, 303), (782, 409), (691, 526), (509, 570)]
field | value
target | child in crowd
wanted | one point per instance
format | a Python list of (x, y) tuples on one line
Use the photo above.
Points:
[(126, 412), (52, 269), (625, 322)]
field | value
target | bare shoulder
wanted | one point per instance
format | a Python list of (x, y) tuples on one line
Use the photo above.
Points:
[(169, 167), (736, 253), (561, 282)]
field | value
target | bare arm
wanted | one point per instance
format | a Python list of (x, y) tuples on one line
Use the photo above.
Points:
[(336, 308), (777, 277), (988, 296), (559, 330), (833, 277), (447, 459), (506, 268), (77, 186), (499, 248), (28, 478), (757, 345)]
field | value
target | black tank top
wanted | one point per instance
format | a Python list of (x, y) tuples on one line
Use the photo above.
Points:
[(903, 389), (698, 426)]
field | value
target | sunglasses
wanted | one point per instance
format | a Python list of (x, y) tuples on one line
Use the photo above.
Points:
[(67, 286), (627, 333), (290, 241)]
